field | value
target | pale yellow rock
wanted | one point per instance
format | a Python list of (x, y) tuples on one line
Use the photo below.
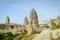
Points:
[(58, 20), (48, 35)]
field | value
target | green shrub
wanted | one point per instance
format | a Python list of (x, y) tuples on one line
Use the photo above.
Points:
[(24, 32), (7, 36), (35, 32), (58, 26)]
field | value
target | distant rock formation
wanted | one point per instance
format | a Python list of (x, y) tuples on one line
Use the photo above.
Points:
[(7, 20), (58, 20)]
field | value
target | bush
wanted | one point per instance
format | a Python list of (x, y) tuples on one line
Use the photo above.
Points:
[(7, 36), (58, 26), (24, 32), (35, 32)]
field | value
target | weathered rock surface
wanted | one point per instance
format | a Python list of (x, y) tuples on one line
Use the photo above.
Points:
[(48, 35)]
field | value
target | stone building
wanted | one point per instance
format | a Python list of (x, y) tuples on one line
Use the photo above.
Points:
[(32, 24), (34, 19), (9, 27), (28, 25)]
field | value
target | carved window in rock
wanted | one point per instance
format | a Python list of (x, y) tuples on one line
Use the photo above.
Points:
[(12, 26)]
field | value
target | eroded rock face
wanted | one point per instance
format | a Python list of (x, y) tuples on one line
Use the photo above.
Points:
[(48, 35)]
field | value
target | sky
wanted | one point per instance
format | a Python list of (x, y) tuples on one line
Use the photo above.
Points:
[(18, 9)]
